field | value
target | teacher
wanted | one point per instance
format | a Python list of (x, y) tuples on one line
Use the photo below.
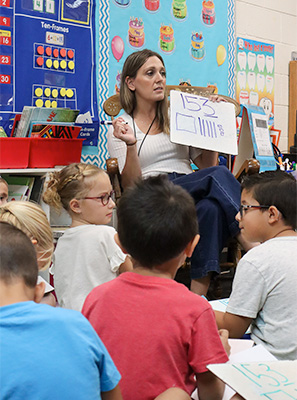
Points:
[(140, 140)]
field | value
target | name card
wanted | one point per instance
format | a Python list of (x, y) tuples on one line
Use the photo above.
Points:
[(198, 122)]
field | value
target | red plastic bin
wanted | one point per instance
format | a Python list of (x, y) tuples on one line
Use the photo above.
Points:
[(47, 153), (14, 152)]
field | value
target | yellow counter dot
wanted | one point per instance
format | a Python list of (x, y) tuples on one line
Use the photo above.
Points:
[(38, 92), (63, 64), (62, 92), (56, 64), (39, 103), (47, 103), (71, 65), (47, 92), (49, 63), (54, 104), (69, 93), (55, 93)]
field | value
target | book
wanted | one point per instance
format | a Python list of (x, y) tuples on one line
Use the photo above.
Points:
[(43, 114), (17, 192), (21, 181), (15, 124), (64, 130), (37, 189)]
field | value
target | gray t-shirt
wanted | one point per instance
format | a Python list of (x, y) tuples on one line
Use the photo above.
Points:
[(265, 289)]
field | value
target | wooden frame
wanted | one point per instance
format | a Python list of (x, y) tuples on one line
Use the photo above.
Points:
[(292, 102)]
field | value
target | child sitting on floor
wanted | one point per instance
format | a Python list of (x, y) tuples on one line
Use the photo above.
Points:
[(86, 255), (31, 219), (160, 334), (46, 352), (264, 289)]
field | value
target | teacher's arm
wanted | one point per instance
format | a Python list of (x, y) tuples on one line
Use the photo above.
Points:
[(122, 145), (207, 158)]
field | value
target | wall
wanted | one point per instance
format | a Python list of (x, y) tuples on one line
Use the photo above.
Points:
[(274, 22)]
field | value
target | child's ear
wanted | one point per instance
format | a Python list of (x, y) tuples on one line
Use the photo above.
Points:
[(118, 242), (39, 292), (191, 246), (274, 214), (74, 205)]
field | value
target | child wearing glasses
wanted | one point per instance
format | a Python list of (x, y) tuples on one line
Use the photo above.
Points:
[(264, 289), (86, 255)]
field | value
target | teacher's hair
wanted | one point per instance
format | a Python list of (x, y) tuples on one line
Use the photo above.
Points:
[(128, 100)]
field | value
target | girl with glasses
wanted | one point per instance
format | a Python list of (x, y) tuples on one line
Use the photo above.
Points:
[(86, 255)]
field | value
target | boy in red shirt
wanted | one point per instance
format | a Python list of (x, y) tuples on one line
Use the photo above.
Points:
[(159, 334)]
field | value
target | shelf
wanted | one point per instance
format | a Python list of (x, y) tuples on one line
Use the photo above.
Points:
[(29, 171)]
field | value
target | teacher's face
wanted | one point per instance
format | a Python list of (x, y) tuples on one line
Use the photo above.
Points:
[(150, 81)]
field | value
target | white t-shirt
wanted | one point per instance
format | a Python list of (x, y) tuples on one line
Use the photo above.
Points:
[(158, 155), (85, 257), (265, 289)]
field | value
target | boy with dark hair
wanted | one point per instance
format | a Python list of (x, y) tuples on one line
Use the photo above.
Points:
[(160, 334), (46, 352), (264, 289)]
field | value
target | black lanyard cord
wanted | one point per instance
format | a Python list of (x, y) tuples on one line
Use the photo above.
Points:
[(147, 132)]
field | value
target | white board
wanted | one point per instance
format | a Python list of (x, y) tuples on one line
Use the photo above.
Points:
[(273, 380), (197, 121)]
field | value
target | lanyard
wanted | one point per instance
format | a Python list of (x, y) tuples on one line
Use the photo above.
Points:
[(147, 132)]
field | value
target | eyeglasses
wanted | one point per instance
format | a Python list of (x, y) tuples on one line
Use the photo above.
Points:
[(245, 207), (104, 199)]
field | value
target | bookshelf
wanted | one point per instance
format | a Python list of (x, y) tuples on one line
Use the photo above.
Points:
[(57, 221)]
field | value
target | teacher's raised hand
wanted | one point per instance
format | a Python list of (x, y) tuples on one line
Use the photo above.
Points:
[(123, 131)]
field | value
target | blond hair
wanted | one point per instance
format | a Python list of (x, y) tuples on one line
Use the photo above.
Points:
[(127, 97), (3, 181), (31, 219), (69, 183)]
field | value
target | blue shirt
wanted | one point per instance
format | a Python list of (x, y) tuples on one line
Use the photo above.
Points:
[(51, 353)]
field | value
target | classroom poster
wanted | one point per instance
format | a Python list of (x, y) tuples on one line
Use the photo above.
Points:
[(195, 38), (255, 75)]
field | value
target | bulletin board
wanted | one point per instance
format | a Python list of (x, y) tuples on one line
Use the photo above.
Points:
[(195, 38), (47, 53)]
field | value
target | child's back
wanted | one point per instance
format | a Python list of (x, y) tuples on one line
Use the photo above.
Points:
[(53, 353), (157, 332), (160, 334), (46, 352)]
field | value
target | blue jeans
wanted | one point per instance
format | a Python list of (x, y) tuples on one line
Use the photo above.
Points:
[(217, 197)]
